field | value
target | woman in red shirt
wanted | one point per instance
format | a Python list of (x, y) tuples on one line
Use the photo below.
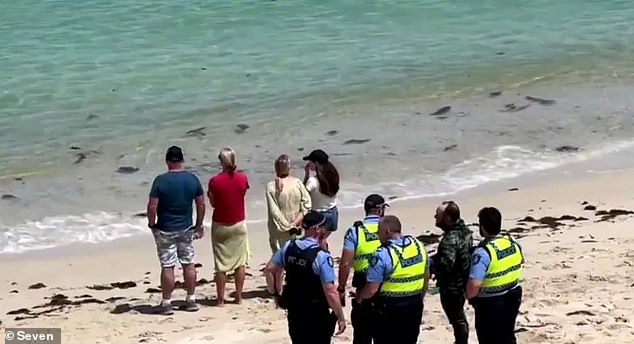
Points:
[(228, 228)]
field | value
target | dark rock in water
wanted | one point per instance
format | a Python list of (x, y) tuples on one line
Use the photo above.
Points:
[(356, 141), (123, 285), (203, 68), (392, 197), (500, 53), (195, 132), (79, 157), (332, 133), (609, 215), (198, 265), (450, 147), (442, 117), (99, 287), (513, 189), (590, 207), (442, 111), (127, 169), (300, 149), (391, 154), (114, 298), (429, 238), (495, 94), (566, 148), (152, 290), (9, 196), (14, 283), (75, 147), (241, 128), (513, 108), (528, 219), (141, 214), (540, 101), (19, 311), (37, 286), (91, 117)]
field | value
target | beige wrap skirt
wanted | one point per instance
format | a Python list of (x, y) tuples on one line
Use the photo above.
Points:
[(230, 244)]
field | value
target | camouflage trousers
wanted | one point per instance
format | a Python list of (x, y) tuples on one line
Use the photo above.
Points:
[(175, 246)]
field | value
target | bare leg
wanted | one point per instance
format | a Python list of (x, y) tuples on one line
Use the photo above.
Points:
[(167, 282), (240, 275), (221, 280), (189, 274)]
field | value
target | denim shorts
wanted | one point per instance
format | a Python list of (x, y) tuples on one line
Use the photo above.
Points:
[(332, 218)]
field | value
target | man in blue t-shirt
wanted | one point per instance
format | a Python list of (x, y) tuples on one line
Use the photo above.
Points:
[(170, 202)]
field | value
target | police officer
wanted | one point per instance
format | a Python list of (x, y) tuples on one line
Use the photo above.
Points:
[(309, 292), (493, 286), (359, 245), (398, 275)]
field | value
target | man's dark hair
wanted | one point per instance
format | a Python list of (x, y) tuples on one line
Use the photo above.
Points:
[(174, 154), (490, 220), (392, 222), (452, 210)]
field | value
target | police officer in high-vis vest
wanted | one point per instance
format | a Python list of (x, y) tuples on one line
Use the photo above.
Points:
[(397, 280), (493, 288), (359, 245), (309, 293)]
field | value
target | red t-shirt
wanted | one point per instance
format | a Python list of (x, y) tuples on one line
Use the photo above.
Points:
[(228, 191)]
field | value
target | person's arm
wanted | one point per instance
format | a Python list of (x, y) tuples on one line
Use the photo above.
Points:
[(446, 256), (427, 275), (152, 204), (271, 270), (479, 264), (376, 273), (312, 184), (210, 194), (274, 210), (347, 257), (200, 208), (324, 266), (304, 205)]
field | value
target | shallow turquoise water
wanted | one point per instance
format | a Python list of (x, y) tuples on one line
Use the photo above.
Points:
[(124, 79), (138, 64)]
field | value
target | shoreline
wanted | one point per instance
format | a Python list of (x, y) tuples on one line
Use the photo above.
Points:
[(581, 245), (606, 164)]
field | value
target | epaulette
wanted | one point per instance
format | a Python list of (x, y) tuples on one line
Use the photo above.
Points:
[(357, 224)]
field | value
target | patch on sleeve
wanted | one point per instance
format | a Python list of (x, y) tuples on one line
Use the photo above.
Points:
[(374, 260), (331, 262), (476, 259)]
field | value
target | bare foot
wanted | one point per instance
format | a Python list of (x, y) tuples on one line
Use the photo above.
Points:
[(220, 303), (238, 301)]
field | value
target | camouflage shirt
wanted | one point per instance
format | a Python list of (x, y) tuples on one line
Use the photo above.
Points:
[(452, 262)]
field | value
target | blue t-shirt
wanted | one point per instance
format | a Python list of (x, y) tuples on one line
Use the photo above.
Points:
[(323, 266), (351, 240), (176, 192), (381, 265), (480, 261)]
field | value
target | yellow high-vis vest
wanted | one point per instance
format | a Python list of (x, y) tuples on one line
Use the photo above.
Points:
[(410, 265), (505, 270), (367, 244)]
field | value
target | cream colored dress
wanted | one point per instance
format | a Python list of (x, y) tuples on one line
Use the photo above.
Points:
[(283, 207)]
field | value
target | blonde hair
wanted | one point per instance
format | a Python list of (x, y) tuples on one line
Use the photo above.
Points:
[(282, 165), (227, 159)]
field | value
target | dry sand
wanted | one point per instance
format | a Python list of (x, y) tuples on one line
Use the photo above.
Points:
[(578, 281)]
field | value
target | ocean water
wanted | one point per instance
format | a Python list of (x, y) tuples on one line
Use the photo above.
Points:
[(119, 81)]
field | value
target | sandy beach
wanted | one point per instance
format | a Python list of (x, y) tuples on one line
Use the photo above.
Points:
[(578, 283)]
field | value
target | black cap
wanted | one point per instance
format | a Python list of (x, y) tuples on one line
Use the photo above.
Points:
[(174, 154), (312, 219), (318, 156), (374, 201)]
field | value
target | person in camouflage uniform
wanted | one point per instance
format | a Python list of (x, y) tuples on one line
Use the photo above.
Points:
[(451, 266)]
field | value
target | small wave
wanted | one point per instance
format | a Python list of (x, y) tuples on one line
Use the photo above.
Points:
[(504, 162)]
